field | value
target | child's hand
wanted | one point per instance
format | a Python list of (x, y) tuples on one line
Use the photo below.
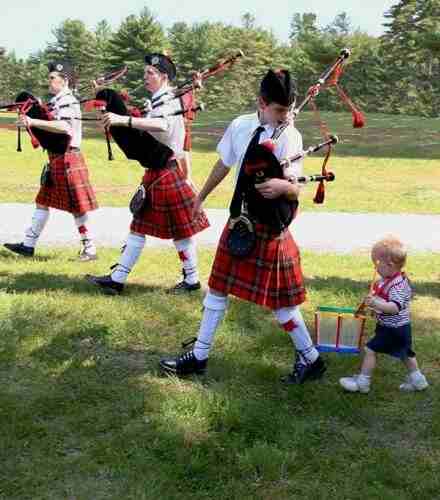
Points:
[(374, 303), (370, 300)]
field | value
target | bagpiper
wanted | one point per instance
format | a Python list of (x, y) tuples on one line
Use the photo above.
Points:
[(257, 259), (65, 183), (165, 198)]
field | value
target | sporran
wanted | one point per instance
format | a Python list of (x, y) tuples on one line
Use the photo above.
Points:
[(138, 200), (46, 177), (241, 239)]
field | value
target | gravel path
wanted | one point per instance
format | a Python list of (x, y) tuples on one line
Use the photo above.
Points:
[(318, 231)]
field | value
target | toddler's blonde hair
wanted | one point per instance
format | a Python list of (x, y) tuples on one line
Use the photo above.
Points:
[(392, 248)]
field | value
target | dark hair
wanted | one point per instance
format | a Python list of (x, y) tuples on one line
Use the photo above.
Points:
[(277, 86)]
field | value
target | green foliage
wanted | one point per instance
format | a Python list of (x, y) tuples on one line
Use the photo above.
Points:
[(136, 36), (201, 45), (396, 73), (411, 52), (74, 42)]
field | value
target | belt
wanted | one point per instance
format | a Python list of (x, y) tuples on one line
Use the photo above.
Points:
[(73, 150)]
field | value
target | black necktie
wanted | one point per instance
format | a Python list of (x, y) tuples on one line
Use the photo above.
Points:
[(237, 199)]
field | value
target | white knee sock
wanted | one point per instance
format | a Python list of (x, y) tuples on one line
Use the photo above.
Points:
[(291, 320), (84, 232), (213, 312), (188, 255), (132, 252), (39, 220)]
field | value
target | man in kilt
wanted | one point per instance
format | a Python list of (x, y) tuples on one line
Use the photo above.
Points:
[(169, 207), (65, 180), (271, 274)]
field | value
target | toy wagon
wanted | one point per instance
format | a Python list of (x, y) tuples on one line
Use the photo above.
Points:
[(339, 329)]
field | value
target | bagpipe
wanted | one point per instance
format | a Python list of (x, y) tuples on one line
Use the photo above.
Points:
[(330, 77), (190, 85), (27, 104), (256, 169), (261, 165), (184, 91), (140, 145), (135, 144)]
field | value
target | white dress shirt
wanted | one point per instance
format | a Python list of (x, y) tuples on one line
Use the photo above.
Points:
[(65, 107), (233, 145), (174, 135)]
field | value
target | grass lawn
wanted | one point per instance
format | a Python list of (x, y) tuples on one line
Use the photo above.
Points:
[(392, 165), (85, 414)]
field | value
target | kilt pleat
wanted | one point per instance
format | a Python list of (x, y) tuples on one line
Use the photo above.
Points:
[(168, 209), (270, 276), (70, 189)]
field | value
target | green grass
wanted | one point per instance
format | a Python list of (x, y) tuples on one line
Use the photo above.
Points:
[(391, 166), (85, 414)]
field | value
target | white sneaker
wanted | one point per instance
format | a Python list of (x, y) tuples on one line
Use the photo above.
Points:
[(87, 252), (355, 384), (414, 382)]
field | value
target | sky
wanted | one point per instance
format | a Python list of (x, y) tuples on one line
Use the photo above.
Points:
[(26, 25)]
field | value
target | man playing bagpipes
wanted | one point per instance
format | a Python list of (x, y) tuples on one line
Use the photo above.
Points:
[(65, 181), (164, 207), (257, 259)]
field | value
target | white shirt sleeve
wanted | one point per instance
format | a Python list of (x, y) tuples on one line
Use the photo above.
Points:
[(166, 110), (290, 144), (225, 147), (67, 113)]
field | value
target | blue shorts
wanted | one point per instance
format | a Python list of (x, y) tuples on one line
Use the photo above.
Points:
[(396, 342)]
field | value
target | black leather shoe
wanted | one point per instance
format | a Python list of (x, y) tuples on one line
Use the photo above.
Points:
[(185, 364), (184, 287), (106, 284), (303, 372), (20, 249)]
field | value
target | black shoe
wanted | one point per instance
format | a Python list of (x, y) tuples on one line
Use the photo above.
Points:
[(303, 372), (106, 284), (184, 287), (185, 364), (20, 249)]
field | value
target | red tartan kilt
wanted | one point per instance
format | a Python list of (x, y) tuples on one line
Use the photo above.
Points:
[(270, 276), (71, 190), (168, 209)]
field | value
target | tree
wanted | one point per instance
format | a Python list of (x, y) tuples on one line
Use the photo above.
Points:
[(411, 49), (340, 26), (103, 34), (136, 37), (303, 27), (202, 45)]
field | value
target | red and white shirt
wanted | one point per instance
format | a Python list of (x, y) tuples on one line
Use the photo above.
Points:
[(395, 289)]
